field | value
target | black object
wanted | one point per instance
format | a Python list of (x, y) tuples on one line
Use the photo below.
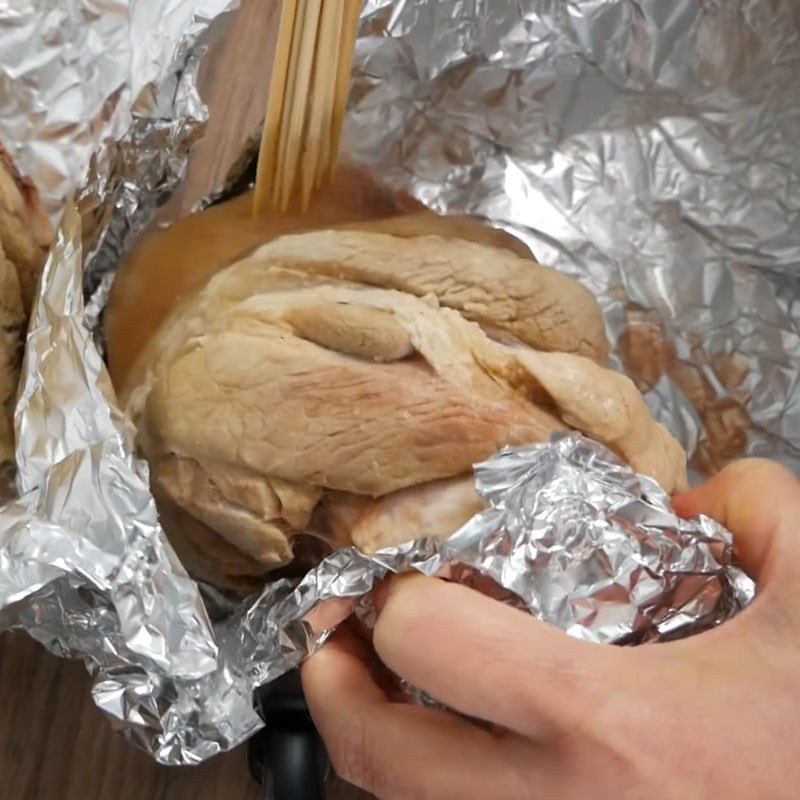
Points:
[(287, 757)]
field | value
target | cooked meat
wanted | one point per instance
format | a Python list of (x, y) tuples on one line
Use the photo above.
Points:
[(250, 393), (250, 511), (426, 223), (436, 509), (25, 235), (493, 287), (183, 257), (25, 230), (287, 396), (205, 553), (609, 407), (354, 330)]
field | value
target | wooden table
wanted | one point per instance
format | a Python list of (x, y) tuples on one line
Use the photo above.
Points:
[(54, 743)]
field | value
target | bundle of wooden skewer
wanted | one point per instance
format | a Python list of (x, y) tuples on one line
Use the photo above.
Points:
[(307, 100)]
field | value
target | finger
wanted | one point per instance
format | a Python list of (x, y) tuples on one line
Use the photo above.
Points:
[(403, 751), (491, 661), (759, 502)]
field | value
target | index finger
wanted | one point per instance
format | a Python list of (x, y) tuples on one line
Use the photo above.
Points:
[(759, 502), (403, 751), (491, 661)]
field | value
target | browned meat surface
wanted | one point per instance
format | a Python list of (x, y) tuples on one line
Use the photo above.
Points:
[(12, 320)]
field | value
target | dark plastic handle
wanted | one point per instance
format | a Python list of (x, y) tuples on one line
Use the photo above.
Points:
[(288, 756), (292, 769)]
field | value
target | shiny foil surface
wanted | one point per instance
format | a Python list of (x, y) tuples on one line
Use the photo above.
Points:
[(77, 75), (651, 149)]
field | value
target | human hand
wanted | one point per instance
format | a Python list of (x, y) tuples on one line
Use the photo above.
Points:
[(711, 716)]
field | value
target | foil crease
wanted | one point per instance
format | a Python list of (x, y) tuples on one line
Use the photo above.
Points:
[(650, 149)]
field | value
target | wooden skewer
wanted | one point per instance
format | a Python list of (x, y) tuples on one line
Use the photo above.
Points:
[(289, 102), (321, 112), (307, 99), (268, 153), (298, 102), (346, 52)]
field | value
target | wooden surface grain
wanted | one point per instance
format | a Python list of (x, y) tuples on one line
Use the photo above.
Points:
[(54, 743)]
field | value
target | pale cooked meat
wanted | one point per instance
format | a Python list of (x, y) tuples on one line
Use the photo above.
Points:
[(183, 257), (250, 511), (291, 395), (204, 552), (256, 396), (506, 294), (345, 424), (609, 407), (192, 316), (493, 287), (252, 276), (437, 510), (597, 401), (426, 223), (270, 498), (354, 330)]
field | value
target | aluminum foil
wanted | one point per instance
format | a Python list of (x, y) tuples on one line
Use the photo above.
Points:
[(650, 149), (78, 75)]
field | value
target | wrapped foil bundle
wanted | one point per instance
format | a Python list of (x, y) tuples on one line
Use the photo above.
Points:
[(569, 532), (652, 153)]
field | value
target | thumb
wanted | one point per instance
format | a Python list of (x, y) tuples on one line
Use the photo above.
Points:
[(759, 502), (488, 660)]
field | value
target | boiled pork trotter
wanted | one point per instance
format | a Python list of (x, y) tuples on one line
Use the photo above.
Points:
[(342, 384)]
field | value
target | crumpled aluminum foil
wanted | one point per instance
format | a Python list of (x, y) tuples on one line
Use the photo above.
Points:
[(77, 75), (649, 148), (651, 151)]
